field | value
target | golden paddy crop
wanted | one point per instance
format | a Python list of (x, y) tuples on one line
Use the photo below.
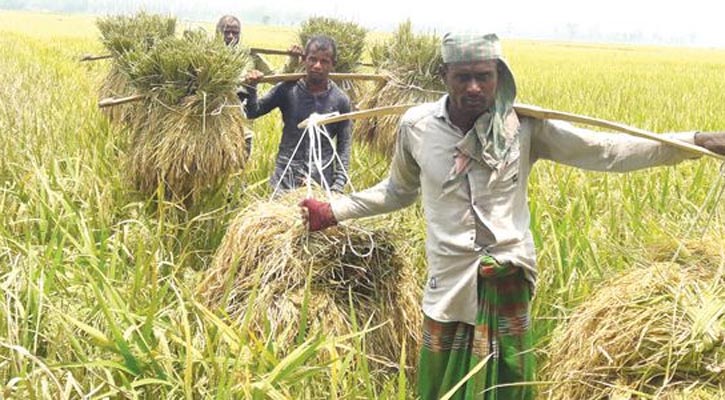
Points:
[(273, 275)]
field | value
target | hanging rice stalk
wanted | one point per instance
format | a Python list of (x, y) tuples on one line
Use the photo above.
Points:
[(270, 272), (122, 34), (350, 40), (412, 61), (188, 134), (656, 332)]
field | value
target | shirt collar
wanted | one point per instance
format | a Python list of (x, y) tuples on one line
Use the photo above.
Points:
[(303, 84), (441, 111)]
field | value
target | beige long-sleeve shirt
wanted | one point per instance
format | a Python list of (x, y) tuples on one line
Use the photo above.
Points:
[(487, 213)]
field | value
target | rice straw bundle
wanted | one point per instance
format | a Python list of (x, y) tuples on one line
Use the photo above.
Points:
[(657, 331), (412, 61), (123, 34), (349, 37), (190, 135), (270, 272), (350, 40)]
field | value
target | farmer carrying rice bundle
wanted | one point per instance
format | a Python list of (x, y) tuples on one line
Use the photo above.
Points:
[(190, 137), (469, 156)]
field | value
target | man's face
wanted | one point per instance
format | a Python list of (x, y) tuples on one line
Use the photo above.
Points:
[(231, 33), (318, 64), (471, 86)]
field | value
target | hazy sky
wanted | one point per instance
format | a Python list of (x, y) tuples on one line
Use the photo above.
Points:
[(697, 19), (693, 22)]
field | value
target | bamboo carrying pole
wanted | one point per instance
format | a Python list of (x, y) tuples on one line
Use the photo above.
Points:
[(253, 50), (373, 112), (91, 57), (259, 50), (114, 101), (538, 113), (542, 113)]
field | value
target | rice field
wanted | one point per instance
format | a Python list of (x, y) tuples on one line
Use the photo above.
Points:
[(99, 282)]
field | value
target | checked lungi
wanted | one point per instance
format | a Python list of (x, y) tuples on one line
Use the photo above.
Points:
[(502, 335)]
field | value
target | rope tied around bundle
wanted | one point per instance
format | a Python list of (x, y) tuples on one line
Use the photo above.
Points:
[(317, 134)]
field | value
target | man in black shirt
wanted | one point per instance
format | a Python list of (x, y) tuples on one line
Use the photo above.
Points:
[(314, 93)]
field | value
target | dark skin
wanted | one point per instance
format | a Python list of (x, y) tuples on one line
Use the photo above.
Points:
[(713, 141), (318, 65), (471, 90), (231, 33)]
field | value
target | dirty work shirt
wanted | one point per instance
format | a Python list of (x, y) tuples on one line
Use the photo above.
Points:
[(487, 213), (296, 104)]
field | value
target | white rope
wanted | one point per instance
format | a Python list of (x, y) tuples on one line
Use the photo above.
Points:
[(317, 134), (352, 247)]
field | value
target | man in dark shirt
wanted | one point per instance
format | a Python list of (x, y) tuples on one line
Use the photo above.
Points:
[(314, 93)]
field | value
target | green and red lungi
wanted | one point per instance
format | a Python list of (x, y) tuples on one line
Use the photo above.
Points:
[(502, 334)]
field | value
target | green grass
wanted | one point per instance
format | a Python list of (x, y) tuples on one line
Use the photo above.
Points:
[(98, 282)]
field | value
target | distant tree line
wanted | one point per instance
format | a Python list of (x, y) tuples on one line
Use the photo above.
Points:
[(192, 10)]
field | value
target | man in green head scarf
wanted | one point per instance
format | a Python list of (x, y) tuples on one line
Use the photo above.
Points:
[(469, 156), (481, 93)]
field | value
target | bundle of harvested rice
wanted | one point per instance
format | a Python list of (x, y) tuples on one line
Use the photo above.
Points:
[(412, 61), (654, 332), (270, 272), (189, 136), (122, 34), (350, 40), (349, 37)]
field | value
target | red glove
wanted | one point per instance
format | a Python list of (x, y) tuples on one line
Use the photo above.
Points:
[(319, 214)]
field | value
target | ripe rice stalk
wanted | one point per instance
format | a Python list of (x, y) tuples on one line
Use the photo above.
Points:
[(349, 37), (189, 132), (350, 40), (121, 34), (271, 274), (412, 61), (657, 330)]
